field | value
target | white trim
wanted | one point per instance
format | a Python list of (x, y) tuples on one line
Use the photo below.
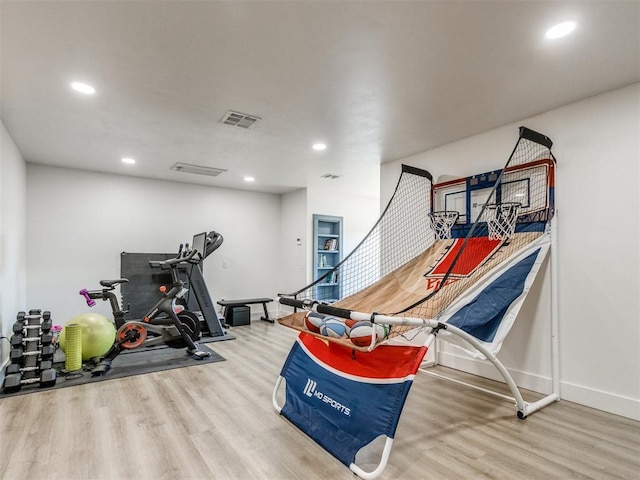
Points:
[(555, 342), (482, 368), (427, 371), (606, 401)]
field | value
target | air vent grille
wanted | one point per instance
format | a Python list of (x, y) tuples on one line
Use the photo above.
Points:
[(197, 169), (330, 176), (237, 119)]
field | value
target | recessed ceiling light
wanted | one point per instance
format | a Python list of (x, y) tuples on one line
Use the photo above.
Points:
[(83, 88), (319, 146), (128, 160), (561, 29), (249, 179)]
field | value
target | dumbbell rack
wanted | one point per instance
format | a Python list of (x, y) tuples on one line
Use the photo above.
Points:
[(31, 352)]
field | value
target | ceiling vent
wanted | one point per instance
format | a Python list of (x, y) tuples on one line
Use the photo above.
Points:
[(197, 169), (237, 119), (330, 176)]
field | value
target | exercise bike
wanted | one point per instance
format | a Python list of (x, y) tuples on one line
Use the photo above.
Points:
[(168, 322)]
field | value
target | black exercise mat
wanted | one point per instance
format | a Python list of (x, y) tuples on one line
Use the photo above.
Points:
[(128, 363)]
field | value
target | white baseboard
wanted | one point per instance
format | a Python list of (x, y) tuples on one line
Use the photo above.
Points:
[(589, 397), (605, 401), (483, 368)]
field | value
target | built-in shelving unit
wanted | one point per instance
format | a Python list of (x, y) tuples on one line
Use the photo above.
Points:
[(327, 253)]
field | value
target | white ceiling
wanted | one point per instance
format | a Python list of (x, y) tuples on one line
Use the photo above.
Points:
[(375, 80)]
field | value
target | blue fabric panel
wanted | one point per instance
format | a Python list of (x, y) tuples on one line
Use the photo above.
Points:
[(482, 316), (340, 414)]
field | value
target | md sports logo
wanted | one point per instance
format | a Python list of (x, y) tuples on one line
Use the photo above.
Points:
[(310, 390)]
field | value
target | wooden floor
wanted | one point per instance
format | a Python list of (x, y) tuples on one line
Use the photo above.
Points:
[(216, 421)]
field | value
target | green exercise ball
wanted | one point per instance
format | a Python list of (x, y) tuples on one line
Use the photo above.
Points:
[(98, 334)]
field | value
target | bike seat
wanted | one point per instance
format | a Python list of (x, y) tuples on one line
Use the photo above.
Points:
[(111, 283)]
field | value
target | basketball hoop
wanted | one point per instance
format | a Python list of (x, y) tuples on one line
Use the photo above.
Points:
[(441, 222), (502, 219)]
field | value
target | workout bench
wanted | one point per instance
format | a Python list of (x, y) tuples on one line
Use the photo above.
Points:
[(228, 304)]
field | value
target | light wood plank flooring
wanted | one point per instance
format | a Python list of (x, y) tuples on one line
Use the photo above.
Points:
[(216, 421)]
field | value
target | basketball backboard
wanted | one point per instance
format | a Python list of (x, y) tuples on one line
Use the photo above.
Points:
[(530, 184)]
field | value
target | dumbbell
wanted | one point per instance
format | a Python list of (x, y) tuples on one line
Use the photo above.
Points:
[(85, 293), (48, 377), (18, 326), (46, 365), (46, 338), (16, 340), (12, 383), (12, 368), (46, 325), (17, 355), (15, 368), (47, 352)]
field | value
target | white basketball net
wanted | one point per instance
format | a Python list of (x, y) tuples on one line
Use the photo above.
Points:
[(502, 219), (441, 222)]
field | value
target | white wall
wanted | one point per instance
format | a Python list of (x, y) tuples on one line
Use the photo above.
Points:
[(79, 222), (12, 235), (359, 215), (596, 142), (294, 253)]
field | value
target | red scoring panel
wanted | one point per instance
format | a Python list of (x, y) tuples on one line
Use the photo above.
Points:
[(475, 253), (383, 362)]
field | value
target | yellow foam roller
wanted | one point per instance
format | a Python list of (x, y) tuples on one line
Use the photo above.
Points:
[(73, 350)]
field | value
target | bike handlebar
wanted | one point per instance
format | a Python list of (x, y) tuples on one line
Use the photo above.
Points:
[(179, 259), (214, 240)]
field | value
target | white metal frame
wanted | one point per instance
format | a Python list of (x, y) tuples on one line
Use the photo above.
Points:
[(523, 408)]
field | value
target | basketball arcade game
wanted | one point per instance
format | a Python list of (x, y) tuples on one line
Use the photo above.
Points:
[(454, 261)]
